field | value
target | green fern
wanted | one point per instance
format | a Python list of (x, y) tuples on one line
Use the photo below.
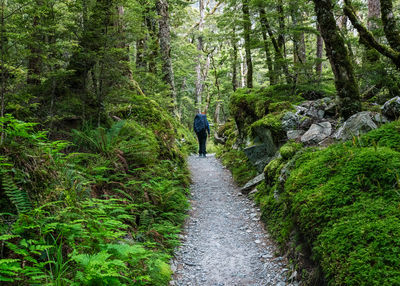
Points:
[(99, 140), (17, 196)]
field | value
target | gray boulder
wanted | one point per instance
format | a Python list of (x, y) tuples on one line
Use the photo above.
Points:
[(260, 155), (317, 108), (264, 149), (380, 119), (391, 108), (294, 134), (317, 133), (356, 125), (290, 121), (252, 184)]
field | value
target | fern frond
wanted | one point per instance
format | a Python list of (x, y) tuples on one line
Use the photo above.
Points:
[(17, 196)]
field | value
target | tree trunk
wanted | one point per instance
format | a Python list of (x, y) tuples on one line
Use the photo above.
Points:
[(320, 44), (243, 70), (390, 27), (153, 47), (165, 46), (34, 58), (345, 82), (281, 35), (234, 60), (374, 12), (367, 37), (268, 57), (2, 68), (199, 78), (247, 43), (279, 57)]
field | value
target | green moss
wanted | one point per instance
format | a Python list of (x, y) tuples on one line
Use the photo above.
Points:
[(272, 122), (249, 105), (343, 202), (281, 106), (273, 213), (238, 163), (288, 150), (272, 170), (386, 136)]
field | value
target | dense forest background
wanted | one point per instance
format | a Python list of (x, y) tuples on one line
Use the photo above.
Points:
[(97, 99), (68, 62)]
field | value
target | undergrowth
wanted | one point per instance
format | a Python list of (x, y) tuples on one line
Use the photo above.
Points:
[(103, 209)]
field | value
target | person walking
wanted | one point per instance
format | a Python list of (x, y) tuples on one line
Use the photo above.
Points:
[(201, 127)]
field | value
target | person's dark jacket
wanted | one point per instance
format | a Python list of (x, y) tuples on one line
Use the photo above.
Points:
[(204, 118)]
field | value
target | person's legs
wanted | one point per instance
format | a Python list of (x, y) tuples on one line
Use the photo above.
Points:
[(199, 139), (203, 142)]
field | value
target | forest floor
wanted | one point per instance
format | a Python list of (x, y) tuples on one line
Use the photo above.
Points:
[(224, 242)]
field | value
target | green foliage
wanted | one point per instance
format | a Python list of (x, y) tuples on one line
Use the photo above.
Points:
[(18, 197), (108, 216)]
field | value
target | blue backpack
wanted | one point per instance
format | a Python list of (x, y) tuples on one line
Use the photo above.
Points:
[(199, 123)]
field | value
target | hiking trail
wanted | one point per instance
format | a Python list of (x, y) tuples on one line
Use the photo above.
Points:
[(224, 242)]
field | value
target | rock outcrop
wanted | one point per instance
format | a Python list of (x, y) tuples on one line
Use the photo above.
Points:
[(391, 108), (356, 125), (317, 133)]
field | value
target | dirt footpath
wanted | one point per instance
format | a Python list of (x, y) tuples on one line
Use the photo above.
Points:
[(224, 242)]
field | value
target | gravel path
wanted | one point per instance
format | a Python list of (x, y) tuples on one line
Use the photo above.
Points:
[(224, 242)]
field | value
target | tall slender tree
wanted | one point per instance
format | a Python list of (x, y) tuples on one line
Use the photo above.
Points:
[(247, 41), (199, 77), (345, 81), (165, 47)]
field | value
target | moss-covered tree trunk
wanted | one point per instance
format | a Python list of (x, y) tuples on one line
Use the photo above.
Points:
[(320, 46), (34, 46), (280, 63), (390, 27), (345, 81), (247, 43), (165, 47), (234, 60), (268, 57), (3, 41), (368, 38)]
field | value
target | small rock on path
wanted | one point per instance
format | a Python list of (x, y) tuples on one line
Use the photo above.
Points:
[(224, 242)]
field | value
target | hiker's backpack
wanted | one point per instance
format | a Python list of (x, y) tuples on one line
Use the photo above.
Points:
[(199, 123)]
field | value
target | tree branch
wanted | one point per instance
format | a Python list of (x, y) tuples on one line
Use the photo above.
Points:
[(368, 38), (212, 12)]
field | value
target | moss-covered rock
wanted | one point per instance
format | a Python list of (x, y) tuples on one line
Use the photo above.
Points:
[(386, 136), (242, 170), (271, 171), (249, 105), (288, 150)]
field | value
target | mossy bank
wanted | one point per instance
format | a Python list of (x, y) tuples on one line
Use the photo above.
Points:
[(335, 211)]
